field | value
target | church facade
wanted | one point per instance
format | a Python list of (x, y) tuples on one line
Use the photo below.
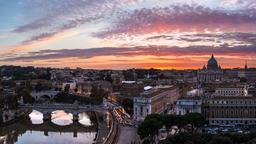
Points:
[(210, 74)]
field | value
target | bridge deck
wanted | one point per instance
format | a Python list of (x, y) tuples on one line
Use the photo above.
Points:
[(66, 107)]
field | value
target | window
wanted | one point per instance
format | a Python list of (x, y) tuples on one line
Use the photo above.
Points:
[(141, 111)]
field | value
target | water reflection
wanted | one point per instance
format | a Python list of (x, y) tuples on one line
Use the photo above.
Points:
[(61, 118), (38, 137), (36, 117), (37, 131), (84, 119)]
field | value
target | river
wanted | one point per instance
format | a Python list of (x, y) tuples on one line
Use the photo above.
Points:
[(59, 130)]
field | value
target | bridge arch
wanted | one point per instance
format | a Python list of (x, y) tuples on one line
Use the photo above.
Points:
[(74, 109)]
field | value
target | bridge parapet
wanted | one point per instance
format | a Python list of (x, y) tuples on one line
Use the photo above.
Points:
[(74, 109)]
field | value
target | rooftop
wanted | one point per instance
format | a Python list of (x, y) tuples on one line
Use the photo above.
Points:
[(156, 90)]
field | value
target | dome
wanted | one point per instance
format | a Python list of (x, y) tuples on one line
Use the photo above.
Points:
[(212, 63)]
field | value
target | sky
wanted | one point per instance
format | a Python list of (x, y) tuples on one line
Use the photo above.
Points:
[(123, 34)]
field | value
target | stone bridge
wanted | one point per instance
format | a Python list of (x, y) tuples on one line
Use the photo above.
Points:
[(37, 95), (46, 127), (74, 109)]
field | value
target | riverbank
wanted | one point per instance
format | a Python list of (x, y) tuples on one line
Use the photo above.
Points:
[(14, 117)]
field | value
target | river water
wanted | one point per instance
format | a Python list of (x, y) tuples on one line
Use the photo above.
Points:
[(60, 130)]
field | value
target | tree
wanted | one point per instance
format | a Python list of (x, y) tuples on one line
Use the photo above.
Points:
[(181, 138), (169, 121), (154, 116), (9, 99), (108, 78), (252, 141), (220, 140), (97, 94), (185, 138), (195, 119), (128, 105), (25, 93), (150, 126), (180, 122)]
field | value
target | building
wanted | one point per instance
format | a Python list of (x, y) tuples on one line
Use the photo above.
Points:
[(188, 105), (71, 85), (84, 88), (252, 90), (235, 111), (210, 74), (130, 89), (248, 74), (232, 91), (154, 100)]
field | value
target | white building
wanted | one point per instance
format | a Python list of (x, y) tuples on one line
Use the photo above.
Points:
[(154, 100), (195, 92), (188, 105)]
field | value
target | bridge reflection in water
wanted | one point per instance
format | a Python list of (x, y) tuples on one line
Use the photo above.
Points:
[(62, 118), (47, 131)]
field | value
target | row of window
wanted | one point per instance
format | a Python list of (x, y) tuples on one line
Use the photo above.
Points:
[(227, 92), (233, 121), (234, 107), (236, 113), (233, 102)]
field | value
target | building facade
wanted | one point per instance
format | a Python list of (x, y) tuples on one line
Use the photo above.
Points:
[(231, 91), (235, 111), (211, 73), (154, 100), (188, 105)]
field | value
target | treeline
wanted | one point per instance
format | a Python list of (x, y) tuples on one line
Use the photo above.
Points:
[(95, 98), (25, 73), (11, 100), (149, 128), (187, 131), (196, 138)]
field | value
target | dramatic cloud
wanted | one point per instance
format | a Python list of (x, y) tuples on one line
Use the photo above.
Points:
[(120, 33), (236, 38), (181, 18), (56, 16), (249, 51)]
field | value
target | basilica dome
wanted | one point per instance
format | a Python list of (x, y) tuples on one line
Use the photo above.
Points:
[(212, 63)]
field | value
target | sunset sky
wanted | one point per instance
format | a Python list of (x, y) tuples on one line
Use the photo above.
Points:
[(122, 34)]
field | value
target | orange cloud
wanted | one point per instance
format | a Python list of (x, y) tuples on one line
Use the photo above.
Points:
[(26, 47)]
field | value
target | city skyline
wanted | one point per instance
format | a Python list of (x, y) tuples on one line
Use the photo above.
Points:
[(123, 34)]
